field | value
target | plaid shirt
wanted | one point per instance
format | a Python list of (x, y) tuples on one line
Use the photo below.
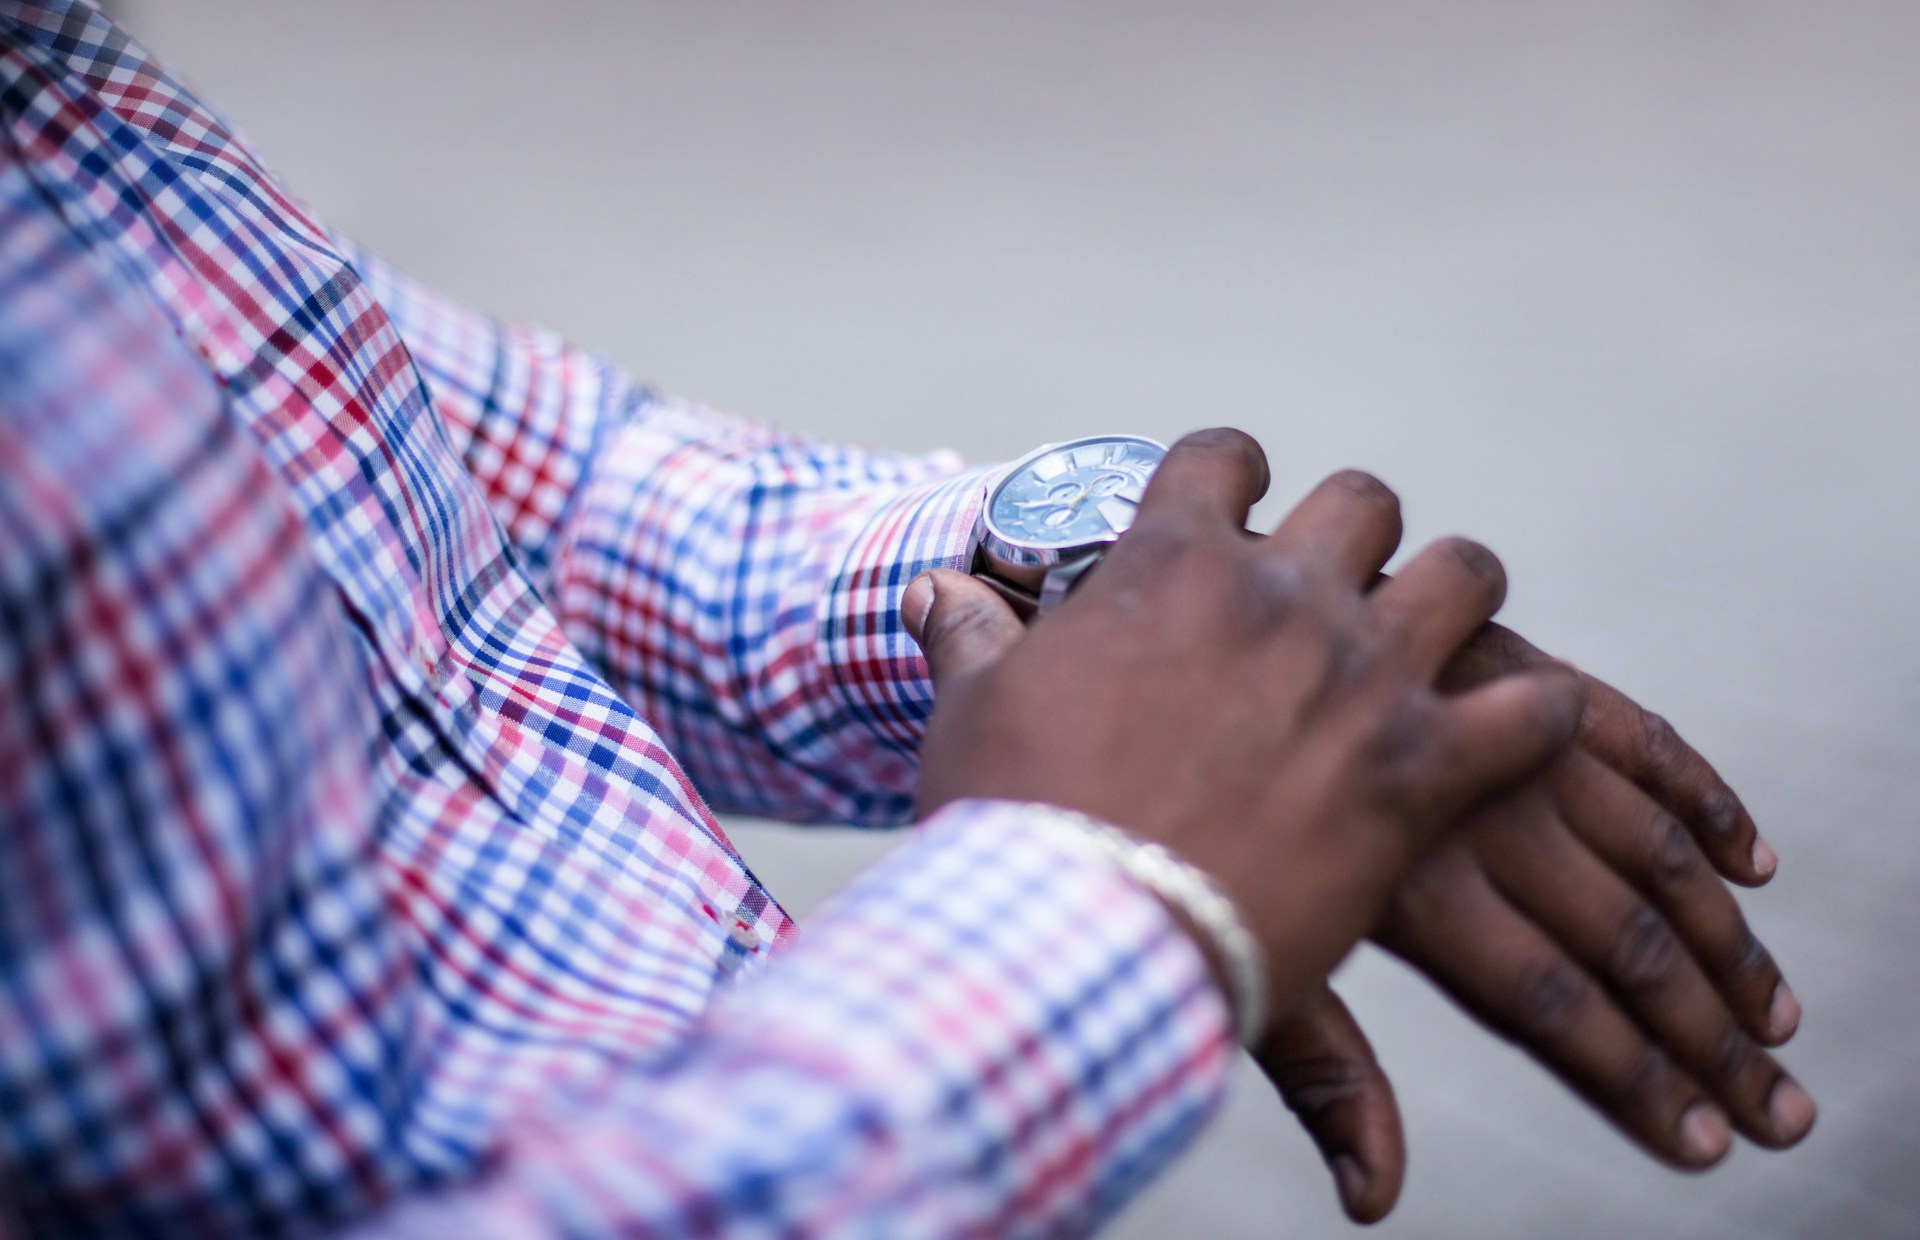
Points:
[(370, 669)]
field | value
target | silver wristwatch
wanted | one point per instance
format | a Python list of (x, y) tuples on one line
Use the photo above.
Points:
[(1050, 515)]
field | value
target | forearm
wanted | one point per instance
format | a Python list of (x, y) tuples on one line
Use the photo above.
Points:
[(771, 654), (990, 1033), (739, 585)]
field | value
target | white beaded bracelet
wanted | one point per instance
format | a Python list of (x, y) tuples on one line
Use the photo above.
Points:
[(1194, 893)]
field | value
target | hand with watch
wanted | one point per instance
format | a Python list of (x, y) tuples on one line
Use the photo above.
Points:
[(1050, 515), (1569, 896)]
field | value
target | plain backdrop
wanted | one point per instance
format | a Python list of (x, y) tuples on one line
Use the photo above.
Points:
[(1626, 290)]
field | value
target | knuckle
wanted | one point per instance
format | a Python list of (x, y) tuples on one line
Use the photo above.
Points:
[(1404, 744), (963, 624), (1548, 998), (1645, 953), (1277, 585), (1431, 896), (1746, 956), (1643, 1089), (1312, 1086), (1733, 1053), (1161, 542), (1719, 812), (1354, 660), (1395, 626), (1659, 740), (1674, 861)]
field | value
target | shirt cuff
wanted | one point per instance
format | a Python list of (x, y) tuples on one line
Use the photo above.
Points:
[(877, 669), (991, 1032), (1031, 1008)]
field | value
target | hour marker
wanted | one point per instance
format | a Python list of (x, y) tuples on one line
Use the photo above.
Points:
[(1047, 468), (1118, 513)]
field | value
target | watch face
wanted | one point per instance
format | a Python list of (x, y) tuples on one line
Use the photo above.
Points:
[(1082, 493)]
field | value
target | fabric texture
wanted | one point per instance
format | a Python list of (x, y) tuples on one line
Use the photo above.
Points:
[(373, 669)]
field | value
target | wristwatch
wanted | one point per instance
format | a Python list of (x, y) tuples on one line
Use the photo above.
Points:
[(1051, 515)]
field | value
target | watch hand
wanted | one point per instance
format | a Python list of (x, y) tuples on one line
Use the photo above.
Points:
[(1075, 502)]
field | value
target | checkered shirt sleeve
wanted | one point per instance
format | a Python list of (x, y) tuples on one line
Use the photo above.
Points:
[(738, 584), (924, 1073), (352, 876)]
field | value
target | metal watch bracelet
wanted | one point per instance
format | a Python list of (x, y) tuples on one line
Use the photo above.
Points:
[(1191, 890)]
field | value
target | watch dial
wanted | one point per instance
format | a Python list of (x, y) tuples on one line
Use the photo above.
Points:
[(1076, 494)]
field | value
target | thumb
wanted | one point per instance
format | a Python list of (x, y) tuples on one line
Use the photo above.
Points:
[(1506, 730), (1327, 1075), (961, 624)]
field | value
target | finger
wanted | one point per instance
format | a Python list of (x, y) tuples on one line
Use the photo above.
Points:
[(1213, 474), (1449, 922), (1325, 1070), (1545, 873), (1493, 650), (1442, 596), (1496, 735), (1654, 850), (1646, 749), (1351, 519), (962, 626)]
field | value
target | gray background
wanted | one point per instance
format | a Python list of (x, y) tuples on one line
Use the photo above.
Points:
[(1627, 290)]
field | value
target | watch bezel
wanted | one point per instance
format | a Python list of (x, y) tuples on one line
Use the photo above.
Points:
[(1013, 552)]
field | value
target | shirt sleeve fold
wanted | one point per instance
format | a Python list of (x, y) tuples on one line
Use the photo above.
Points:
[(738, 584), (991, 1033)]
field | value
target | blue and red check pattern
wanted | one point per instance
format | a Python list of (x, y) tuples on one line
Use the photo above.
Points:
[(370, 670)]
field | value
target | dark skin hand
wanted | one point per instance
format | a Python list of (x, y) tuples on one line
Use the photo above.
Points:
[(1580, 914), (1254, 704), (1585, 918)]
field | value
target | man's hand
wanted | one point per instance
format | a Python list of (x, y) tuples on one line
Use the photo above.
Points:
[(1582, 917), (1252, 703), (1553, 915)]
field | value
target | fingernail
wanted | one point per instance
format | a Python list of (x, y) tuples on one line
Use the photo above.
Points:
[(1350, 1178), (1790, 1109), (1783, 1017), (1765, 860), (1571, 702), (1704, 1132)]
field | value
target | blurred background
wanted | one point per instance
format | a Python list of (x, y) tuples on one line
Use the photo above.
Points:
[(1631, 291)]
